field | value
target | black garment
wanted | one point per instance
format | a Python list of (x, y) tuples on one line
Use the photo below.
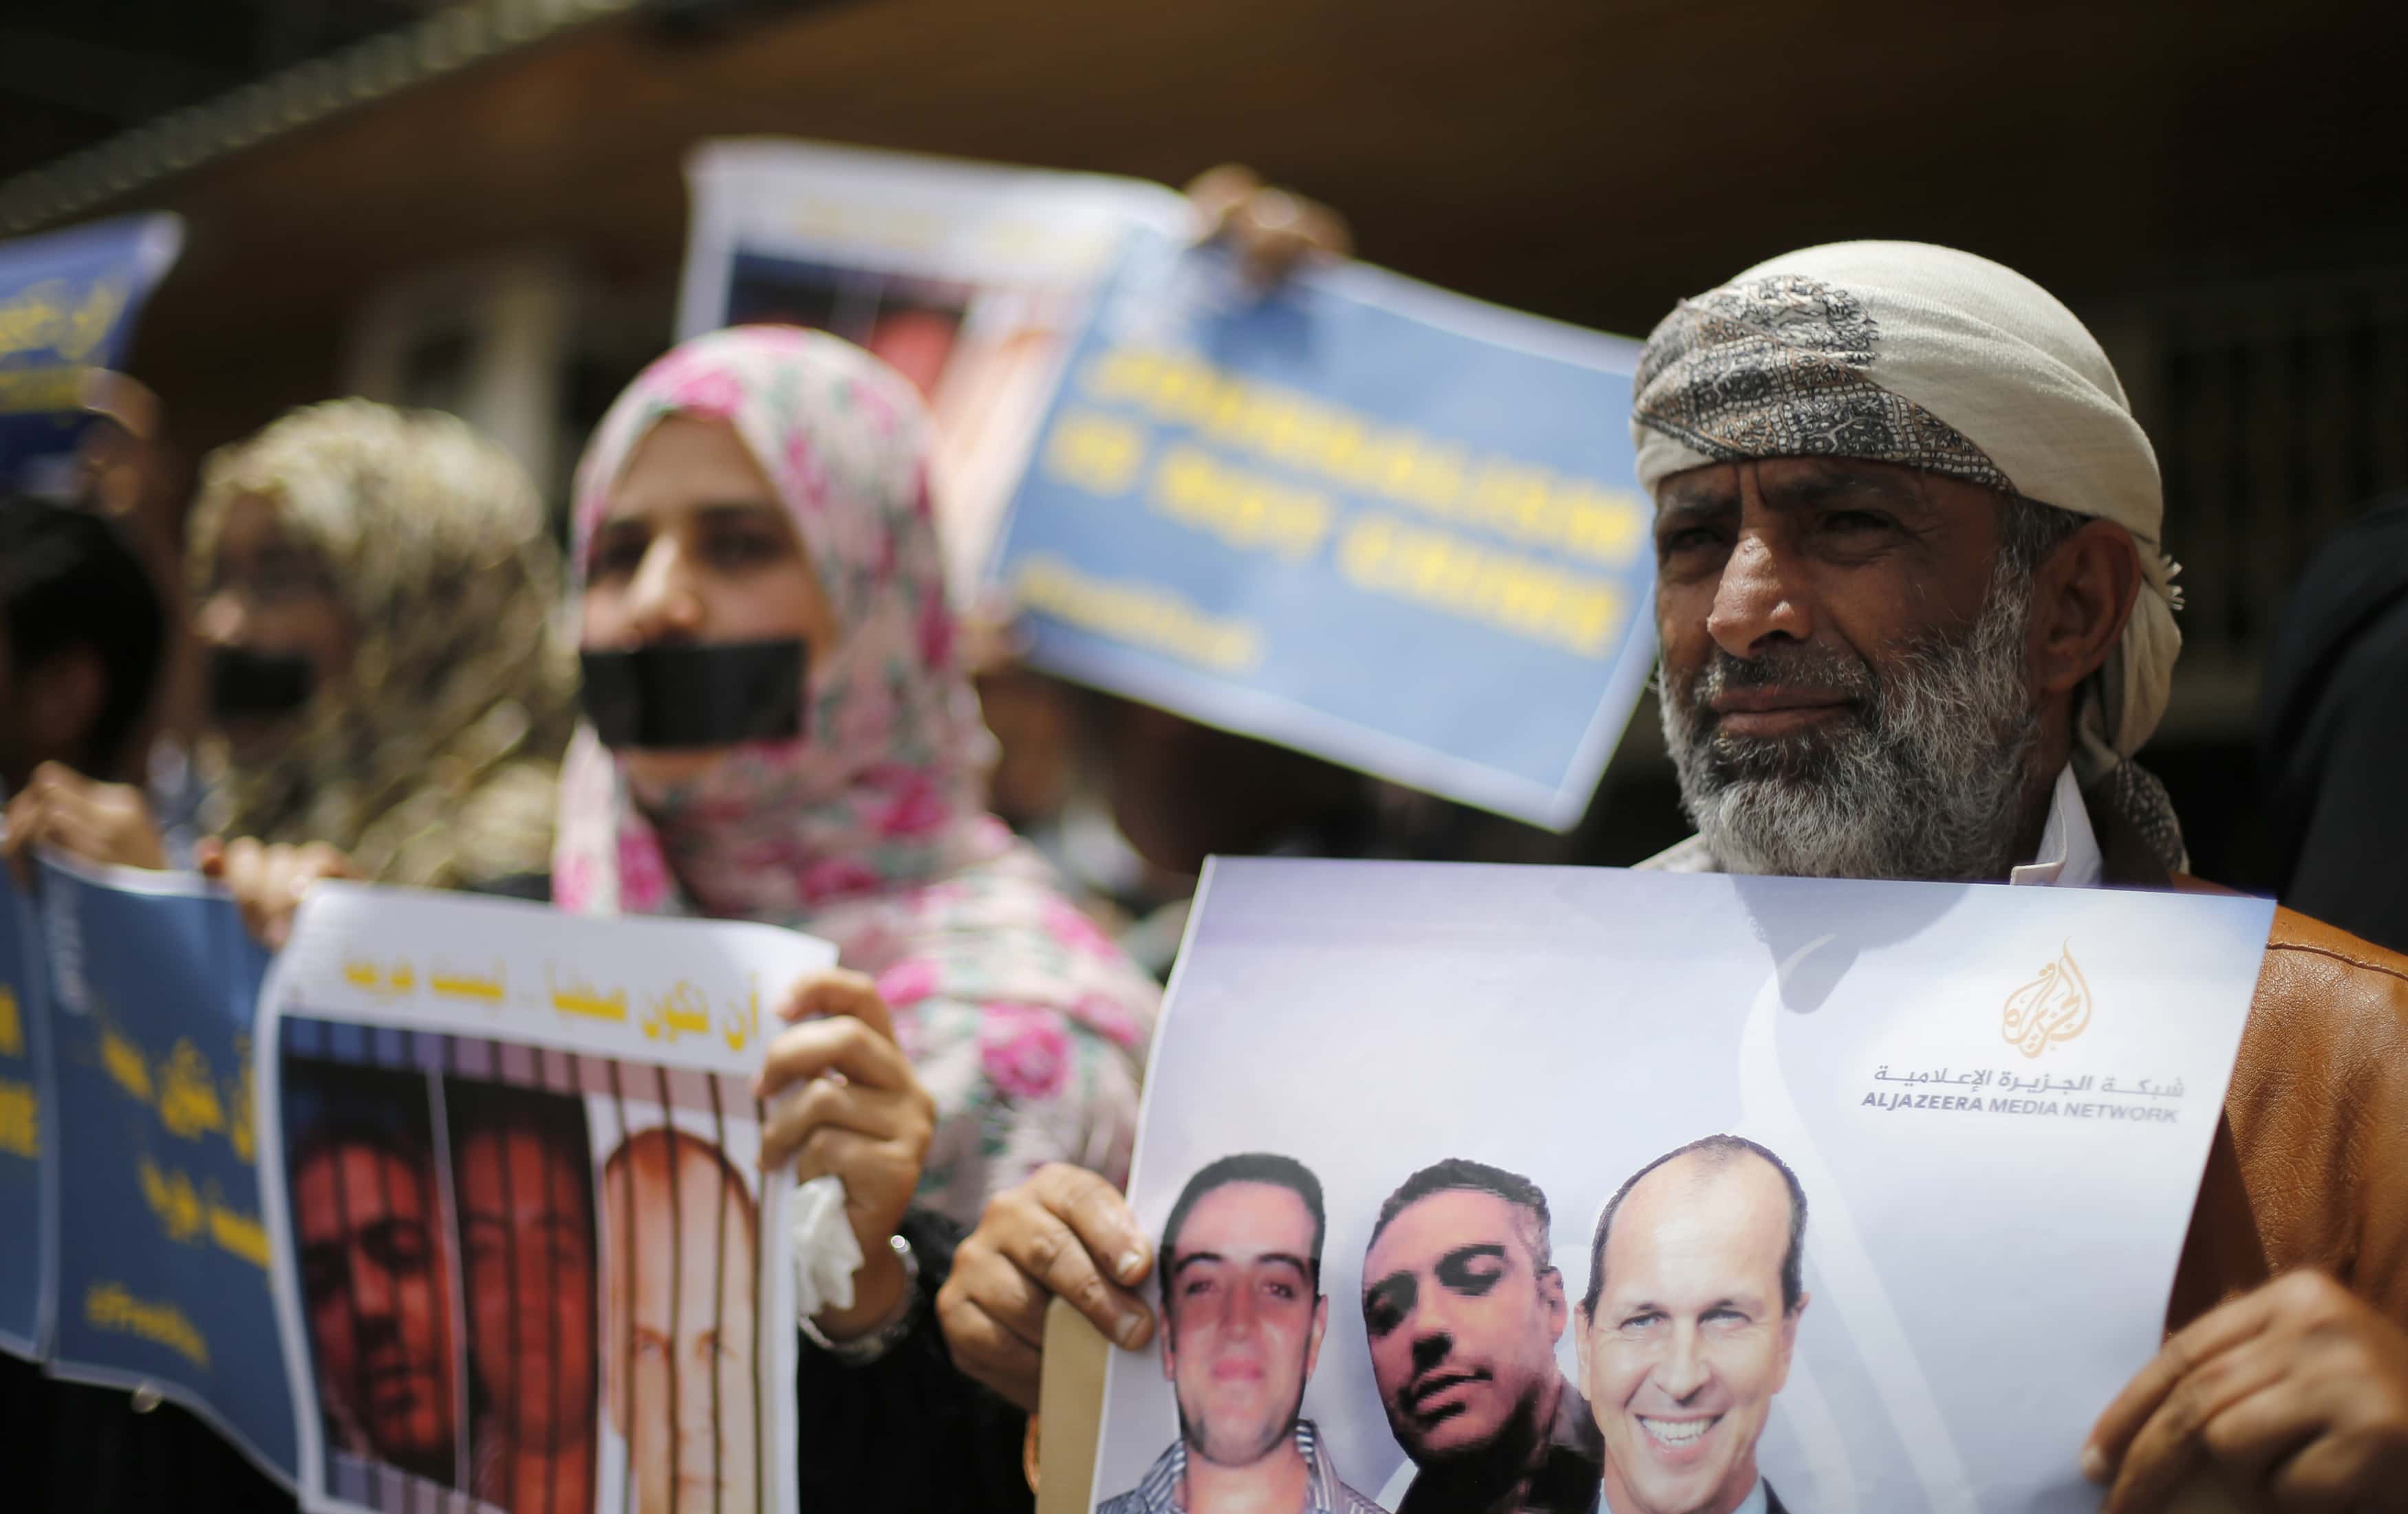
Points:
[(2333, 732), (69, 1447), (1566, 1480), (909, 1431)]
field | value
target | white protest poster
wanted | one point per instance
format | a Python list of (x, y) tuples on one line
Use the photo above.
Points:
[(527, 1259), (969, 278), (1860, 1196)]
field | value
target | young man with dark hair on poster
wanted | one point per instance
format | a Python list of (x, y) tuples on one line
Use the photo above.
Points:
[(1241, 1296), (377, 1289)]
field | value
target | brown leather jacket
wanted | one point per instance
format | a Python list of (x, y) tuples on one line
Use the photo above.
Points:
[(2310, 1163)]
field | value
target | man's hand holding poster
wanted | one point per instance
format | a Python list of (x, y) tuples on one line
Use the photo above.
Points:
[(1554, 1189)]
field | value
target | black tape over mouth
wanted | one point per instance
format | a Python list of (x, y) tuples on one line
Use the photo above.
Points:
[(257, 686), (688, 695)]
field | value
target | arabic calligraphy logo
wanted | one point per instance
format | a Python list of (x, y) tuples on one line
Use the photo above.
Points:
[(2053, 1007)]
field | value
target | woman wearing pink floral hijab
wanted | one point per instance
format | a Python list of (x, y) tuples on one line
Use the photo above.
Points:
[(762, 483)]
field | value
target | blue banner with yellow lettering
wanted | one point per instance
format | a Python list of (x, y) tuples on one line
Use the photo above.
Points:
[(68, 300), (163, 1262), (1355, 515), (26, 1139)]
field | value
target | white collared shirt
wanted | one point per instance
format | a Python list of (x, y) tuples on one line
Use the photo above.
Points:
[(2068, 857)]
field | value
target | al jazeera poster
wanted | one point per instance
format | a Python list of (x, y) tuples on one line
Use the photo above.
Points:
[(1671, 1193)]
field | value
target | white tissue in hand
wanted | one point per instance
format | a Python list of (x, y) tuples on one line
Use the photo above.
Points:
[(826, 1253)]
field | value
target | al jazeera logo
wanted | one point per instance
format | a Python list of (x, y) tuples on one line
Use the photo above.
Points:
[(2052, 1008)]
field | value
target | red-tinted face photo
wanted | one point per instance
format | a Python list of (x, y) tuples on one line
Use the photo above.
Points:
[(523, 1187), (377, 1288)]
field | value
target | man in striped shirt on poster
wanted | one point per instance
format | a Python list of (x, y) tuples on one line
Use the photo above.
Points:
[(1241, 1299)]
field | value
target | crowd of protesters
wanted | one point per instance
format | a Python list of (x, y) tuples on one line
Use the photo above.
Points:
[(1915, 606)]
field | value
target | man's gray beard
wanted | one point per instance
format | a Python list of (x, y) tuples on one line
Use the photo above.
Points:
[(1925, 778)]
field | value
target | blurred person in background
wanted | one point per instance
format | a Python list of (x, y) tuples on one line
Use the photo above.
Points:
[(81, 631), (126, 473), (375, 594), (137, 477), (2333, 731), (757, 499), (81, 638)]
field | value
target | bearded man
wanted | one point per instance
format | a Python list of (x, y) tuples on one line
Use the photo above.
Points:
[(1915, 621)]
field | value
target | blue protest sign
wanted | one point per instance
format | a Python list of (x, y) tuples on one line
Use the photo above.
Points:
[(27, 1143), (68, 300), (162, 1262), (1356, 515)]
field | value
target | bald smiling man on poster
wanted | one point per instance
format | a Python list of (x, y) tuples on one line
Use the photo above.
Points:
[(1695, 1289)]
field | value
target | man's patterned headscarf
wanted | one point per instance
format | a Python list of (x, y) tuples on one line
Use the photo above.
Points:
[(1933, 359)]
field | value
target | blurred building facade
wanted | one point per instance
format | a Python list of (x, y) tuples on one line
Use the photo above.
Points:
[(481, 208)]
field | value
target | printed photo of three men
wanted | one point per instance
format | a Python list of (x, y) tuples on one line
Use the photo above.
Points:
[(1477, 1191), (1682, 1330), (519, 1298)]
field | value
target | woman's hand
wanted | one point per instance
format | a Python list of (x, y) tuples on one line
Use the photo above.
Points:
[(98, 822), (268, 880), (854, 1109)]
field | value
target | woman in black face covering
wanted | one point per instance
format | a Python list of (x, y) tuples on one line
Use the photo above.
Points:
[(375, 592)]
